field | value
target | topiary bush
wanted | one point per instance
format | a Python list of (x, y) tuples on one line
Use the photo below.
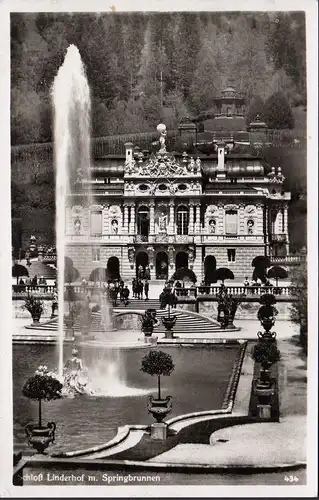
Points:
[(158, 363), (266, 353), (42, 386)]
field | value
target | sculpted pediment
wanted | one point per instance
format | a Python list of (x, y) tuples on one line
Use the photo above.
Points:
[(163, 165)]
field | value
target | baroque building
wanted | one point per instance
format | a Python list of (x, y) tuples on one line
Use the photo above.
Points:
[(168, 211)]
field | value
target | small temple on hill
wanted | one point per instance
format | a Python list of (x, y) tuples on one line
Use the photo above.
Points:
[(167, 211), (229, 103)]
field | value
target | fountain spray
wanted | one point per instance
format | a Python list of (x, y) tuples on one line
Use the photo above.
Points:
[(72, 154)]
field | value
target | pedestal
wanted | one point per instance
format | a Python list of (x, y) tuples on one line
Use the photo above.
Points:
[(159, 431), (148, 340), (264, 412), (69, 334), (169, 334)]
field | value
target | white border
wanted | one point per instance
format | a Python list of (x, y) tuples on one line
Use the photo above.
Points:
[(6, 425)]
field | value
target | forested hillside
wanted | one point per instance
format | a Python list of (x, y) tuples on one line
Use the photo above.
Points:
[(131, 57)]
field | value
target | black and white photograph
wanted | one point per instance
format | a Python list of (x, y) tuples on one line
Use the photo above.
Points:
[(163, 271)]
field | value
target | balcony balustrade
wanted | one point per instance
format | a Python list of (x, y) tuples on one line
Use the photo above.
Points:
[(278, 238), (286, 260)]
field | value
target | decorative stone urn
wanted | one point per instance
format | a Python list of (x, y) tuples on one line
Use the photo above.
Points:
[(148, 322), (169, 323), (36, 318), (159, 408), (40, 437), (267, 316)]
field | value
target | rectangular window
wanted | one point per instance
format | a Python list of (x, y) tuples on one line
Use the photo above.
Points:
[(96, 223), (231, 222), (182, 222), (231, 254), (95, 255)]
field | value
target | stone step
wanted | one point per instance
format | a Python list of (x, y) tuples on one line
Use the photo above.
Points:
[(186, 323)]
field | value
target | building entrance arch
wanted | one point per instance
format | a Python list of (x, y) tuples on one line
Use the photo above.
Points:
[(113, 268), (209, 269), (162, 265), (181, 260), (141, 263)]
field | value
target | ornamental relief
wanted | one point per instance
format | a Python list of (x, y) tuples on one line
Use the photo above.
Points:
[(115, 211), (250, 209), (231, 207), (77, 211), (211, 210), (162, 165), (96, 208)]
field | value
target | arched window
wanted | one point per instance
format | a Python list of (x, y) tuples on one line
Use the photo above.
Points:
[(182, 220)]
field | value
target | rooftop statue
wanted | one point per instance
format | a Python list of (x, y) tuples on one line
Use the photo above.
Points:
[(161, 128)]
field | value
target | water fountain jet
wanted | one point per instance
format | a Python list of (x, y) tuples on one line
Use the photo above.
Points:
[(72, 158), (72, 131)]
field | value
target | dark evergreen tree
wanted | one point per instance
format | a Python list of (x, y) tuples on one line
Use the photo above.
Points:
[(277, 112)]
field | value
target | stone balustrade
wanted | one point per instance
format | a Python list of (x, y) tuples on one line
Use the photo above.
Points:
[(253, 291), (33, 289)]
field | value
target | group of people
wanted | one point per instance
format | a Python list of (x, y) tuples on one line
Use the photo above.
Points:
[(139, 286), (115, 290), (33, 282)]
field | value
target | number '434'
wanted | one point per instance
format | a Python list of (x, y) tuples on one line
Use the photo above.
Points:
[(291, 479)]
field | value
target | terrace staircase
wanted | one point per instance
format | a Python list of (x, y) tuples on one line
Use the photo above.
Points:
[(187, 322)]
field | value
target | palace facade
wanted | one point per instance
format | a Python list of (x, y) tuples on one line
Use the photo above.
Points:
[(168, 211)]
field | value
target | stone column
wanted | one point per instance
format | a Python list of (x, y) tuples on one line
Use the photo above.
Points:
[(285, 224), (267, 225), (106, 219), (259, 222), (221, 228), (126, 218), (197, 223), (152, 217), (191, 218), (241, 216), (132, 223), (171, 217)]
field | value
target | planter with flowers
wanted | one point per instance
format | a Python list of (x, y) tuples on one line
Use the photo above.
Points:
[(265, 354), (148, 320), (35, 307)]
